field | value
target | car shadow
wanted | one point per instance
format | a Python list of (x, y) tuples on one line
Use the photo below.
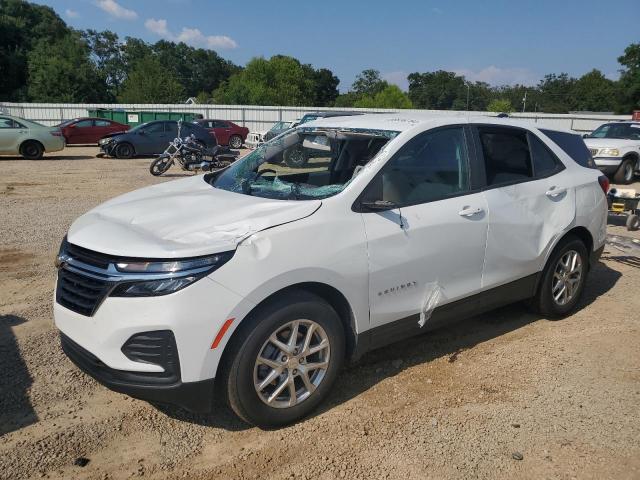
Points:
[(16, 410), (447, 341)]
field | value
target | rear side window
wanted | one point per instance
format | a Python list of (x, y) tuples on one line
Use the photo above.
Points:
[(545, 162), (102, 123), (572, 145), (506, 155)]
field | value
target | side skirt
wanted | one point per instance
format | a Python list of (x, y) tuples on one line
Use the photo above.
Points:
[(446, 314)]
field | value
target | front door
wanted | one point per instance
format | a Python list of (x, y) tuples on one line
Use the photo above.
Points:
[(429, 249)]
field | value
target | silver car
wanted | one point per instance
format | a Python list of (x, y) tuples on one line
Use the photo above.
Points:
[(27, 138)]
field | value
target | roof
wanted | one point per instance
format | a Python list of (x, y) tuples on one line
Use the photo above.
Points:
[(404, 121)]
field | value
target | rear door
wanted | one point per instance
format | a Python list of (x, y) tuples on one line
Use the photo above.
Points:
[(429, 250), (530, 200)]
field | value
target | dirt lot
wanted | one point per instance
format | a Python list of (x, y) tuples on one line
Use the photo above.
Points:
[(503, 395)]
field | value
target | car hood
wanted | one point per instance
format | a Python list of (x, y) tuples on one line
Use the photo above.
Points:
[(610, 142), (114, 134), (182, 218)]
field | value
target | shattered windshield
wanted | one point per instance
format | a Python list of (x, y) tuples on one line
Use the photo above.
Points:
[(305, 163)]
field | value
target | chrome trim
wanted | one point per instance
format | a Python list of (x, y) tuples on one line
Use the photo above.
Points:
[(112, 274)]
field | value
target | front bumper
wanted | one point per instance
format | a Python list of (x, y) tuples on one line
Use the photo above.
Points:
[(608, 165), (194, 396)]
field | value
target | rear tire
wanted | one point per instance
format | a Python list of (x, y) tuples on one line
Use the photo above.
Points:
[(32, 150), (235, 141), (560, 288), (624, 174), (633, 222), (124, 150), (243, 372)]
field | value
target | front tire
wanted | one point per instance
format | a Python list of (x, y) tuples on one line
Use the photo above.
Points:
[(124, 150), (284, 360), (159, 166), (32, 150), (563, 279), (624, 174), (235, 141)]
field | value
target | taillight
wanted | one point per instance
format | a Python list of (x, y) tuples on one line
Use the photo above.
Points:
[(604, 183)]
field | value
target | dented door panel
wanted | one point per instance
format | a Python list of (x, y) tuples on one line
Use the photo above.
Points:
[(525, 221)]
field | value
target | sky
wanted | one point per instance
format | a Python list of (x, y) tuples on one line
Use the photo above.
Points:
[(496, 41)]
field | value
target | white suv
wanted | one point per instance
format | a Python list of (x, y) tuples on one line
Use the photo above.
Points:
[(616, 150), (260, 280)]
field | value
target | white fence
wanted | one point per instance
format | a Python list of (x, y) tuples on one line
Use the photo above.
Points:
[(258, 118)]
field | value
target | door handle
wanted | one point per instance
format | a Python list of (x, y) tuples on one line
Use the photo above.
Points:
[(470, 211), (555, 191)]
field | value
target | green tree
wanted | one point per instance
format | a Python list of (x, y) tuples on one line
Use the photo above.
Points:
[(281, 80), (594, 92), (437, 90), (368, 83), (326, 87), (556, 93), (63, 72), (108, 54), (22, 26), (390, 97), (500, 105), (629, 83), (151, 82)]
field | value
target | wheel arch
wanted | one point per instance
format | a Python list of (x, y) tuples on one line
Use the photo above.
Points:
[(633, 156), (328, 293)]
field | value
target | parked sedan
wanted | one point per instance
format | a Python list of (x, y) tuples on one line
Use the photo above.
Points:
[(27, 138), (89, 130), (226, 132), (615, 147), (152, 138)]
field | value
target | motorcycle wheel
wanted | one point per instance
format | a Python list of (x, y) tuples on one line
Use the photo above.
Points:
[(159, 166)]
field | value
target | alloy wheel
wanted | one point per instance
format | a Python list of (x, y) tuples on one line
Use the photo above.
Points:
[(291, 364), (566, 277)]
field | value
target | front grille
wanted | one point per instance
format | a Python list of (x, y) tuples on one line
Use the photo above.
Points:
[(80, 293), (594, 151), (96, 259)]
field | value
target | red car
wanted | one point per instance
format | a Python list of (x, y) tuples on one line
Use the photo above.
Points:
[(226, 132), (89, 130)]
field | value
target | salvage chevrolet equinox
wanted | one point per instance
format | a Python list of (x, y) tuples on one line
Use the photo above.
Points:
[(257, 282)]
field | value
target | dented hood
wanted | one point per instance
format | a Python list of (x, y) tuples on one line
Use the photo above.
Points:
[(183, 218)]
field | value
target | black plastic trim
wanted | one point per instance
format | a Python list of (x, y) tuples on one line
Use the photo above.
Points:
[(194, 396), (407, 327)]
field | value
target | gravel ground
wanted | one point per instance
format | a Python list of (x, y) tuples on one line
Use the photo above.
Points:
[(503, 395)]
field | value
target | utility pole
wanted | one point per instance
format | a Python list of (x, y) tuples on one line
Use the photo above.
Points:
[(524, 102), (468, 91)]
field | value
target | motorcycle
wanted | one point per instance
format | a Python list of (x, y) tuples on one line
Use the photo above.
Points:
[(191, 156)]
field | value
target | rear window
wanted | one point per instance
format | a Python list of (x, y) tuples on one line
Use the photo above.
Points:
[(573, 145)]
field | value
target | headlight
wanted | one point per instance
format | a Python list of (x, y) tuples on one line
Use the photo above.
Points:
[(609, 152), (153, 287), (173, 266), (165, 276), (104, 141)]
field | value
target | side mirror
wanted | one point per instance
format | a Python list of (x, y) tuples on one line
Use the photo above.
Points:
[(378, 205), (141, 132), (585, 135)]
